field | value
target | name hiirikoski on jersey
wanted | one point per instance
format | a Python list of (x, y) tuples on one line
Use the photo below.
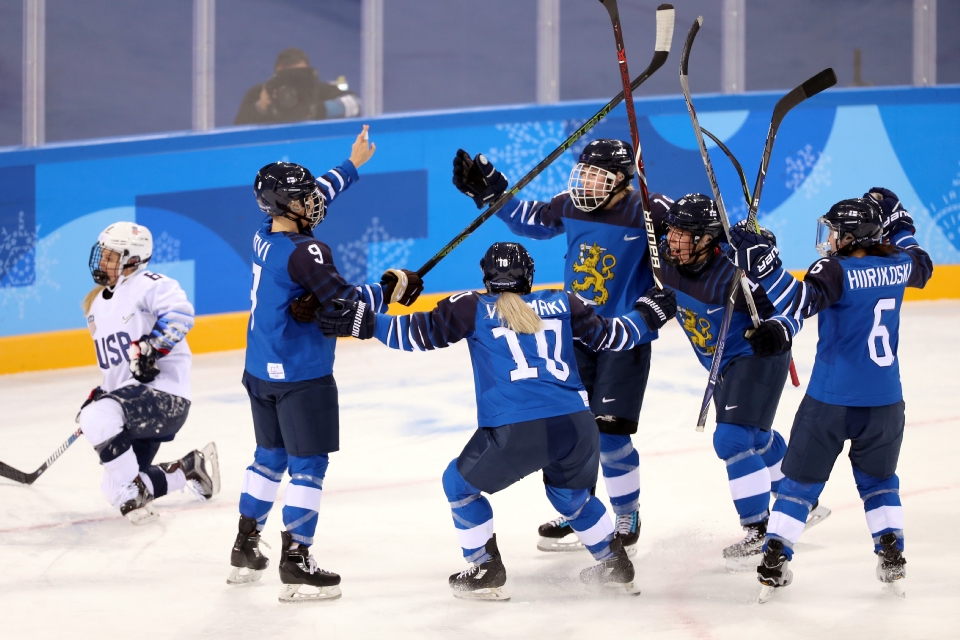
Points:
[(879, 276), (597, 268), (699, 330)]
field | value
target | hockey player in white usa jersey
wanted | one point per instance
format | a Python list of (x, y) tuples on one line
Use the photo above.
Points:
[(607, 267), (532, 410), (288, 372), (869, 257), (138, 321)]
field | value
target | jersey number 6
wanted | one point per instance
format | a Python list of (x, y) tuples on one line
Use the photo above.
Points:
[(879, 332), (555, 365)]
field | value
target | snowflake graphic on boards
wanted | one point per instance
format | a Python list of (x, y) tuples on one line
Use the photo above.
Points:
[(808, 171), (531, 142), (166, 248), (376, 251), (946, 215), (26, 281), (14, 246)]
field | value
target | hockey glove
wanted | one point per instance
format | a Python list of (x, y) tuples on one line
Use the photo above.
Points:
[(895, 217), (401, 285), (347, 318), (755, 253), (477, 178), (143, 360), (771, 338), (657, 307), (303, 308)]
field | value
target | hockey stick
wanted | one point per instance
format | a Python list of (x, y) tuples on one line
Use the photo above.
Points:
[(665, 17), (7, 471), (611, 7)]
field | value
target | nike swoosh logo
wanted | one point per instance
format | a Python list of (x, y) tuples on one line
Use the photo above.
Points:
[(127, 318), (605, 400), (728, 407), (629, 238), (714, 310)]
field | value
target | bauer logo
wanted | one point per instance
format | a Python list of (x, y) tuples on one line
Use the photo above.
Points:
[(275, 370)]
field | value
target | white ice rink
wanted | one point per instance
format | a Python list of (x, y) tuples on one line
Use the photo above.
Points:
[(71, 568)]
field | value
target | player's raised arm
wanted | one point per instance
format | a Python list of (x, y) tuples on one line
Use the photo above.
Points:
[(653, 310)]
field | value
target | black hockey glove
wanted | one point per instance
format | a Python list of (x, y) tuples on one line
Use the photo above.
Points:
[(347, 318), (657, 307), (771, 338), (477, 178), (401, 285), (755, 253), (143, 360), (895, 217), (303, 308)]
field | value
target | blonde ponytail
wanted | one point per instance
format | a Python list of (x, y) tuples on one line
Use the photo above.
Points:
[(516, 315), (90, 297)]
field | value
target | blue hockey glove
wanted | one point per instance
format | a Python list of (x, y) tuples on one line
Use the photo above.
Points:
[(477, 178), (347, 318), (895, 217), (657, 307), (771, 338), (755, 253)]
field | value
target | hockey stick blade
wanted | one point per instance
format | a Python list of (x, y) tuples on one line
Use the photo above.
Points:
[(665, 20), (16, 475)]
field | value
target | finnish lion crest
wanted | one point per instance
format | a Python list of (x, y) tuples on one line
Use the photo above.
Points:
[(597, 268), (698, 330)]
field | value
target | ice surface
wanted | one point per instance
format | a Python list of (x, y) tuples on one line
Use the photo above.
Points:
[(72, 568)]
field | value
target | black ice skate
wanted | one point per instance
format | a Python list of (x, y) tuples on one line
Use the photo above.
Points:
[(201, 469), (774, 570), (246, 555), (615, 574), (482, 581), (558, 535), (136, 506), (628, 527), (891, 565), (298, 569), (741, 556)]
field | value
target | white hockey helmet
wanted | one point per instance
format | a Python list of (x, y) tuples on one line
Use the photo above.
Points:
[(134, 244)]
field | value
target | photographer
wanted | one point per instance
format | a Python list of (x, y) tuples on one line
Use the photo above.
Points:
[(295, 93)]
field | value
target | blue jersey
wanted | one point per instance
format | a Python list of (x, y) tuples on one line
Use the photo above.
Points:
[(857, 302), (285, 266), (518, 377), (607, 262)]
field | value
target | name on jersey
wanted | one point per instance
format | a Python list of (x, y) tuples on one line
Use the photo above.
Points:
[(112, 350), (261, 247), (878, 276), (540, 307)]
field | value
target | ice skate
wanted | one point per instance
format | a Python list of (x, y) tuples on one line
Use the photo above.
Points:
[(201, 469), (742, 556), (774, 571), (298, 569), (482, 581), (628, 527), (615, 574), (891, 565), (245, 557), (136, 503), (558, 535), (817, 514)]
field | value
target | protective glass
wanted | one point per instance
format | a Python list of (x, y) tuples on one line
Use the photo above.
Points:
[(590, 186), (824, 231)]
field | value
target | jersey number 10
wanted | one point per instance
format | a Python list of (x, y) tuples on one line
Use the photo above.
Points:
[(556, 366)]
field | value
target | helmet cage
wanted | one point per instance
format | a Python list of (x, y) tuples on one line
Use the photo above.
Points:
[(312, 215), (102, 277), (591, 187)]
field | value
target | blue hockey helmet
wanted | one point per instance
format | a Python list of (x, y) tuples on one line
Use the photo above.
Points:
[(507, 266)]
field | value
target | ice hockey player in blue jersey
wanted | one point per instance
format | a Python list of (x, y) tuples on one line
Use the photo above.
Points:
[(749, 387), (289, 369), (607, 267), (532, 410), (869, 257)]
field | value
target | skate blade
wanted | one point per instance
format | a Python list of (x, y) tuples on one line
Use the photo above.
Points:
[(251, 575), (144, 515), (740, 564), (496, 594), (209, 454), (291, 594), (894, 589), (766, 593), (817, 516), (557, 545), (620, 588)]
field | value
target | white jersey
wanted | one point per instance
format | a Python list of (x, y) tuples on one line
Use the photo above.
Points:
[(142, 304)]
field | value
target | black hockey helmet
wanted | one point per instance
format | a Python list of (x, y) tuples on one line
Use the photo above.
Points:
[(279, 184), (593, 180), (858, 223), (612, 155), (697, 214), (507, 266)]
